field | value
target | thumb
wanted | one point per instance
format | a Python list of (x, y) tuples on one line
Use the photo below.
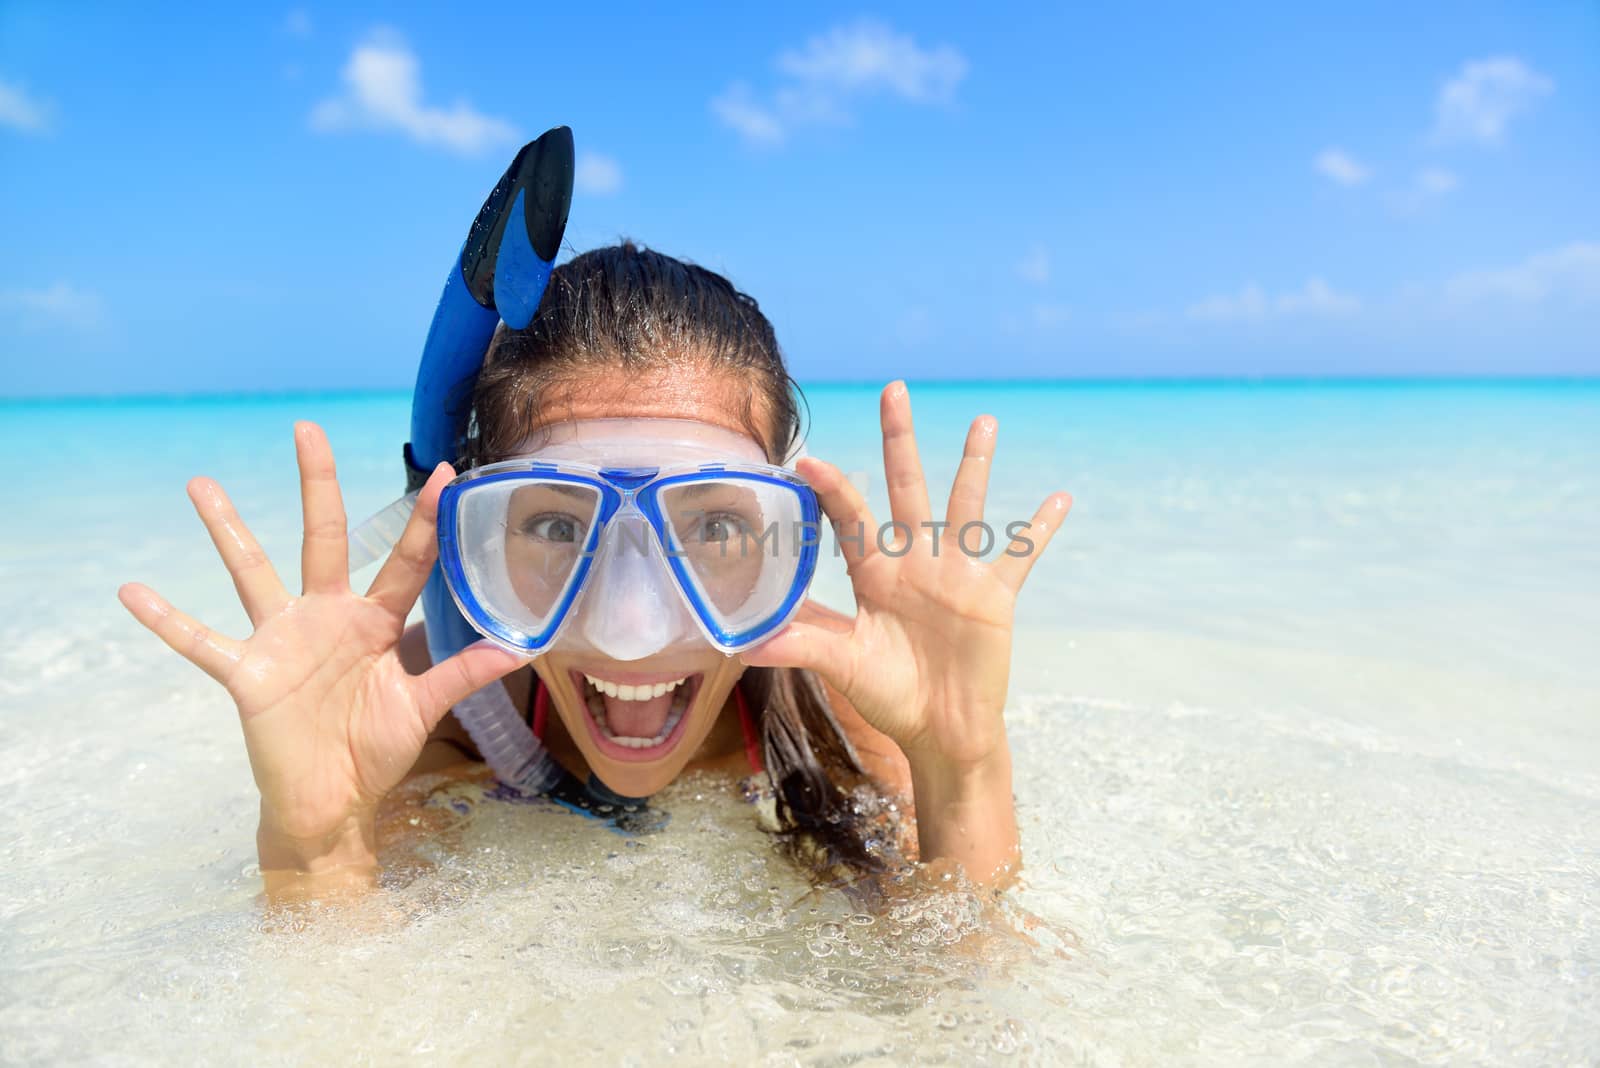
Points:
[(830, 653), (441, 686)]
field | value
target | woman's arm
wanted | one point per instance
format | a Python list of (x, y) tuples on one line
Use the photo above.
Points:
[(968, 819)]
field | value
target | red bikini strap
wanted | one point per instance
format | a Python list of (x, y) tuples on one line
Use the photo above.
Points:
[(747, 724), (541, 707)]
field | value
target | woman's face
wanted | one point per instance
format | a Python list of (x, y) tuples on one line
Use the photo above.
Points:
[(639, 722)]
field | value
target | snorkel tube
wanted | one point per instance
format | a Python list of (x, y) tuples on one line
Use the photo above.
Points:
[(501, 273)]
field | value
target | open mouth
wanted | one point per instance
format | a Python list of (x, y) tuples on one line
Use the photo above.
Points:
[(636, 720)]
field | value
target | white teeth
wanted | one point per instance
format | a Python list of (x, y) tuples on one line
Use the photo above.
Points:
[(628, 692)]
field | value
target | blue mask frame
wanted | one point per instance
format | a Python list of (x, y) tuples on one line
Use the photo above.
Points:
[(619, 487)]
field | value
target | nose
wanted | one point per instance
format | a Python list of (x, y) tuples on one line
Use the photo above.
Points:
[(633, 610)]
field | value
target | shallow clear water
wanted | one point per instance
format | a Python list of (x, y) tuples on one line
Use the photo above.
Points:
[(1305, 708)]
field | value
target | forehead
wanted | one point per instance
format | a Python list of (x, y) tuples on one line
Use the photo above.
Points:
[(680, 392)]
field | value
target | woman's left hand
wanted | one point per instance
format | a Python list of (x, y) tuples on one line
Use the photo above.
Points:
[(927, 657)]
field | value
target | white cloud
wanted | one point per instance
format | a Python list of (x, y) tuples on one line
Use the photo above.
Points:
[(1436, 181), (596, 174), (383, 90), (1249, 304), (1571, 271), (297, 23), (1427, 186), (868, 56), (1541, 311), (1316, 297), (1340, 166), (1252, 304), (58, 305), (1482, 99), (740, 111), (821, 82), (20, 111), (1035, 266)]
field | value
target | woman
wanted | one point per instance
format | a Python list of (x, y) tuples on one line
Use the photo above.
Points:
[(631, 353)]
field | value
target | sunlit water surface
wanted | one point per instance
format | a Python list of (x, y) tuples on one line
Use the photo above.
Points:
[(1305, 709)]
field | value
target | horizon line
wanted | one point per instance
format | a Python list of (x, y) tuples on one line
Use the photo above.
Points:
[(1077, 381)]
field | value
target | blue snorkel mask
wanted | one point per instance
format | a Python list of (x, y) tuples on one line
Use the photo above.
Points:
[(629, 539)]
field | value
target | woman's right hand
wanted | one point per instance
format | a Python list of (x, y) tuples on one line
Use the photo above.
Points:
[(332, 720)]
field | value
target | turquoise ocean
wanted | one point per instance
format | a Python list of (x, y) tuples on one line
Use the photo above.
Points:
[(1305, 707)]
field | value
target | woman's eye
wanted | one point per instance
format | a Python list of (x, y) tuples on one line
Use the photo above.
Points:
[(552, 527), (723, 527)]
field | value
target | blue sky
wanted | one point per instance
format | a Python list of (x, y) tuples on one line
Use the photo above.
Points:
[(269, 199)]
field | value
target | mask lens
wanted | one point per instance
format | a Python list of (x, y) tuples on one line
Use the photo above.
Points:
[(741, 541), (523, 542)]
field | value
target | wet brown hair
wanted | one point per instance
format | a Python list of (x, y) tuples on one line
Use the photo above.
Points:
[(648, 314)]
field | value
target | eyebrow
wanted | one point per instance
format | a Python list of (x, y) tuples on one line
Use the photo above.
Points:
[(585, 493), (696, 489)]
